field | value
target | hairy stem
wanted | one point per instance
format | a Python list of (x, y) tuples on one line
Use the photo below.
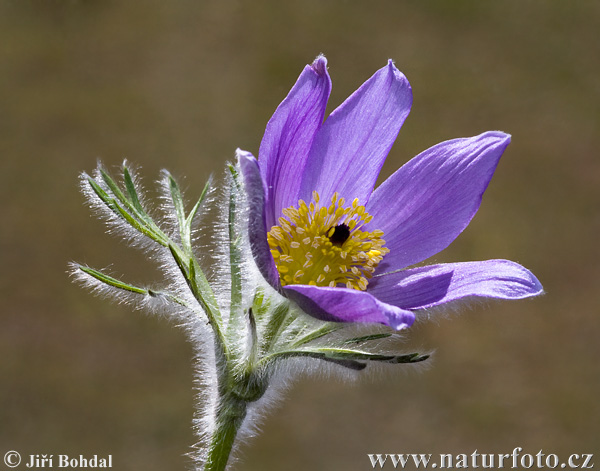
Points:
[(230, 415)]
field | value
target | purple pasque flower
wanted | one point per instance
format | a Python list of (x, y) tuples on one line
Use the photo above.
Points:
[(325, 238)]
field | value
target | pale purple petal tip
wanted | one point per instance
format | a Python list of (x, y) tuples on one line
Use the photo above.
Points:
[(320, 65), (351, 146), (431, 199), (429, 286), (289, 136), (347, 305)]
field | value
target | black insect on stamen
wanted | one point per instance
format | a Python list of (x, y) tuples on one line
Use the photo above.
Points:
[(340, 235)]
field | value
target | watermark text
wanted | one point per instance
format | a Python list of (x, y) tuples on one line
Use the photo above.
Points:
[(516, 459)]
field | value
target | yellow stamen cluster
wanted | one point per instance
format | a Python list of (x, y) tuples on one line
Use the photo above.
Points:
[(325, 246)]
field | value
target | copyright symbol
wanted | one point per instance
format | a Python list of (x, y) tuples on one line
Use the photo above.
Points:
[(12, 459)]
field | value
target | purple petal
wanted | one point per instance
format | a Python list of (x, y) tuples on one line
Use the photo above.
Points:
[(429, 201), (257, 233), (354, 141), (289, 136), (433, 285), (347, 305)]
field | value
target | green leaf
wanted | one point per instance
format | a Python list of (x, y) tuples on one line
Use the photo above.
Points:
[(186, 228), (122, 207), (275, 322), (410, 358), (318, 333), (179, 212), (106, 199), (196, 207), (113, 187), (139, 226), (109, 280), (345, 362), (360, 355), (351, 364), (260, 303), (203, 293), (342, 354), (132, 192), (235, 261), (199, 286), (204, 289), (367, 338), (116, 208), (132, 204), (235, 175), (115, 283), (135, 206), (185, 223), (253, 337), (349, 354)]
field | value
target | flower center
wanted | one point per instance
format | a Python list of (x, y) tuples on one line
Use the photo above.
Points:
[(325, 246)]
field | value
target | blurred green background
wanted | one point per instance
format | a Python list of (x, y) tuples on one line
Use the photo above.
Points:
[(180, 85)]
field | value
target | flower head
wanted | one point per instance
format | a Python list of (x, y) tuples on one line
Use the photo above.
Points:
[(325, 238)]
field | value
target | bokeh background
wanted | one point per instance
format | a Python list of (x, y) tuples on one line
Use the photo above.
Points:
[(182, 84)]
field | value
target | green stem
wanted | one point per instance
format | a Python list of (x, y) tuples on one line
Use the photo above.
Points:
[(230, 415)]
